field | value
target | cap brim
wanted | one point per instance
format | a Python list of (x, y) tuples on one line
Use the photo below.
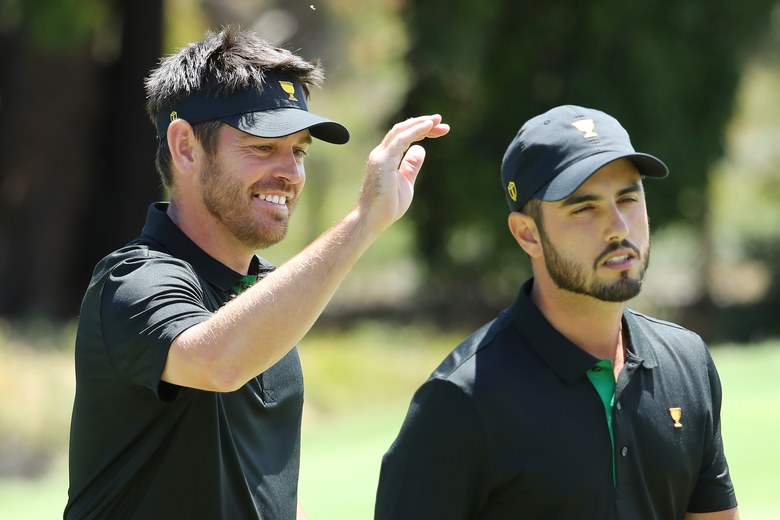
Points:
[(286, 121), (570, 179)]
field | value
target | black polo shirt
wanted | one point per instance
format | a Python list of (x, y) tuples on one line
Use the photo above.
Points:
[(142, 448), (509, 426)]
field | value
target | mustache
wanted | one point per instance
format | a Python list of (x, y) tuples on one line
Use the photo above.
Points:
[(614, 246), (274, 185)]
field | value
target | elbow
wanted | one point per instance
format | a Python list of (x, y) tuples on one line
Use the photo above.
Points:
[(225, 379), (222, 373), (225, 371), (204, 368)]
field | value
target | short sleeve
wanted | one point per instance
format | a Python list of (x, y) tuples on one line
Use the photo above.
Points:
[(714, 490), (145, 303), (436, 466)]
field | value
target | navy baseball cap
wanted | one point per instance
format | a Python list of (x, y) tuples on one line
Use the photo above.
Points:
[(279, 109), (555, 152)]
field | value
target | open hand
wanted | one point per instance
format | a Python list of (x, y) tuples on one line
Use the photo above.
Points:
[(393, 166)]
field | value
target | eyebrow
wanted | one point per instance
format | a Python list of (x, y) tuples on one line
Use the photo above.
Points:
[(250, 139), (589, 197)]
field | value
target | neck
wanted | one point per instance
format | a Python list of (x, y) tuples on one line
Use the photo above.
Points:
[(210, 235), (593, 325)]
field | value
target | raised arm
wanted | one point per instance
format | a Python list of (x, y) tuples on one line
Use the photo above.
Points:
[(255, 330)]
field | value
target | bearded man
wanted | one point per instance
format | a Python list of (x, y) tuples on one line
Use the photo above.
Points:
[(568, 405)]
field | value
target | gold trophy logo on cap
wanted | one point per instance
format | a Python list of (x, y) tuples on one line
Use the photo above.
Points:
[(512, 189), (676, 414), (289, 88)]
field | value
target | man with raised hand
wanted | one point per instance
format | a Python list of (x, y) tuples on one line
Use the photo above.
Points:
[(189, 388)]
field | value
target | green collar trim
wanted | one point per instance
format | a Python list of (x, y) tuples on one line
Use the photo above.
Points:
[(603, 379), (244, 283)]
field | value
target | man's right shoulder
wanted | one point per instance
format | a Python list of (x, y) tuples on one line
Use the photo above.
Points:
[(134, 256), (460, 360)]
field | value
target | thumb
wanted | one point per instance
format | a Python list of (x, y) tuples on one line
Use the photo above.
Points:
[(412, 162)]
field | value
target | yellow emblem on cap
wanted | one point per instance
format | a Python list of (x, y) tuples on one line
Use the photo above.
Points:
[(676, 414), (174, 115), (289, 88), (585, 126), (512, 189)]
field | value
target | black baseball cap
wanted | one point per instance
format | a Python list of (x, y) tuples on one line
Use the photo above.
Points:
[(276, 110), (555, 152)]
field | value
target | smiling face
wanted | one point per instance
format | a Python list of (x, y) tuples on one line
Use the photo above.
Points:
[(596, 242), (252, 184)]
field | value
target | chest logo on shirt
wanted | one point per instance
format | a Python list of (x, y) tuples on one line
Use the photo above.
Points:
[(676, 414)]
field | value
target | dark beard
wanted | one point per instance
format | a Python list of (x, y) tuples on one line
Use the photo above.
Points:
[(568, 276), (228, 203)]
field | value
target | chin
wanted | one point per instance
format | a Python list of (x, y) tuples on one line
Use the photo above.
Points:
[(266, 240)]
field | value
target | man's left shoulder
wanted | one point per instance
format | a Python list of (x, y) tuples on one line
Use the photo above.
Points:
[(663, 331)]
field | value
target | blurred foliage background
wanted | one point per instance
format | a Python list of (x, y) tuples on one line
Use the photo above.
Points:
[(695, 82)]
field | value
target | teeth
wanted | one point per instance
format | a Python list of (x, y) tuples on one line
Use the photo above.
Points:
[(617, 259), (276, 199)]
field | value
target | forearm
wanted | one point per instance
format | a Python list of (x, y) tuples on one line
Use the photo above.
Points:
[(256, 329)]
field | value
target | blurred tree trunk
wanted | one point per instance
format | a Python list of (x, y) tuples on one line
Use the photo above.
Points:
[(45, 151), (125, 181), (71, 143)]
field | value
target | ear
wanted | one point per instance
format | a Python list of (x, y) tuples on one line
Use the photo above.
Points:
[(186, 151), (524, 229)]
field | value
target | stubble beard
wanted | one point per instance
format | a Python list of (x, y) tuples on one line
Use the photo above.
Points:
[(570, 276), (231, 205)]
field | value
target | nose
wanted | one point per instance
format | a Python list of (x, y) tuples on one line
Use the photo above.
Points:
[(289, 167), (617, 228)]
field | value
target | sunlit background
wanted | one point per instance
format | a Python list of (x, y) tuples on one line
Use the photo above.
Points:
[(696, 82)]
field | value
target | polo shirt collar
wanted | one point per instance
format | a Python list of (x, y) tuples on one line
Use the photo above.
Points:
[(161, 229), (564, 357), (639, 347)]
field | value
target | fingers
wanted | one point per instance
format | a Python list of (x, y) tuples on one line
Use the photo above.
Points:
[(390, 152), (403, 134), (439, 129), (392, 169)]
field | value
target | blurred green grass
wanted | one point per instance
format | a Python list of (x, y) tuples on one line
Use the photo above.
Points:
[(358, 385), (341, 455)]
